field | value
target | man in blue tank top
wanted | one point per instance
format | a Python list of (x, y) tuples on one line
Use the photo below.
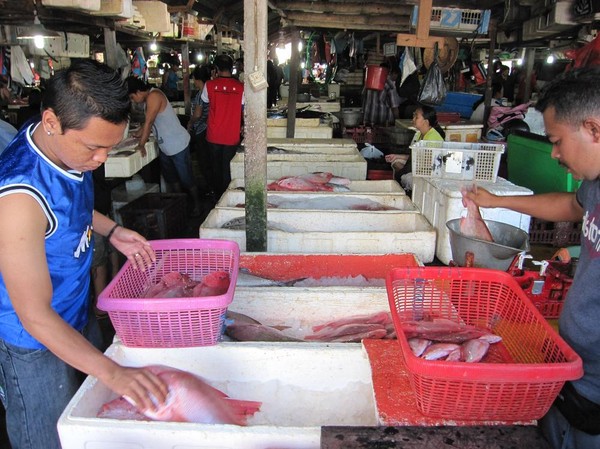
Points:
[(571, 110), (46, 224)]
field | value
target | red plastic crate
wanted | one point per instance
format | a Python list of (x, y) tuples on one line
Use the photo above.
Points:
[(519, 378), (171, 322)]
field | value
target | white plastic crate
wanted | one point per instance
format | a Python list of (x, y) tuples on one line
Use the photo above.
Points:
[(302, 387), (348, 166), (306, 132), (232, 199), (440, 200), (374, 188), (125, 166), (456, 19), (332, 232), (454, 160)]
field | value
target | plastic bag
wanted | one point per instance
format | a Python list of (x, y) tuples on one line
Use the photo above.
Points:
[(433, 90), (408, 65)]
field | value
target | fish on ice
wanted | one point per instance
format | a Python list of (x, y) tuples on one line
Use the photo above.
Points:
[(190, 399)]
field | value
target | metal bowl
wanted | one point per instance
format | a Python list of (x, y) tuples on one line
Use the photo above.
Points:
[(508, 242)]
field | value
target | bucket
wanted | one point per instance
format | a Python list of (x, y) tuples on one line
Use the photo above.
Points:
[(376, 77), (351, 117), (508, 242)]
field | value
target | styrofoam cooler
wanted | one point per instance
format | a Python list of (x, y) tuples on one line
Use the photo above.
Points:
[(352, 166), (329, 232), (440, 200), (326, 146), (233, 198), (322, 131), (383, 187), (302, 386)]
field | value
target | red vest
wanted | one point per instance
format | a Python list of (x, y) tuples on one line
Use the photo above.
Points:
[(224, 110)]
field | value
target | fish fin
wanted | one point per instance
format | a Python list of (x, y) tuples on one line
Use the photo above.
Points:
[(292, 282), (281, 328)]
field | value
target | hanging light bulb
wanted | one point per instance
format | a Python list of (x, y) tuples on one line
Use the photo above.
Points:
[(153, 46), (38, 41), (37, 30), (550, 59)]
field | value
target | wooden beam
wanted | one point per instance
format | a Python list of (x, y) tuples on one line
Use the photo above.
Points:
[(421, 39), (345, 8), (396, 28), (350, 21)]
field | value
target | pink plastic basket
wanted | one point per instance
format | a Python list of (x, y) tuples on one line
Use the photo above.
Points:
[(518, 380), (172, 322)]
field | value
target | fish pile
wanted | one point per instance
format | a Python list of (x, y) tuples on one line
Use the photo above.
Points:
[(190, 399), (311, 182), (240, 327), (239, 223), (180, 285), (326, 203), (354, 329), (472, 225), (444, 339)]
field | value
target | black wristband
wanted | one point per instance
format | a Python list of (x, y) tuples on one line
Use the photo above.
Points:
[(111, 232)]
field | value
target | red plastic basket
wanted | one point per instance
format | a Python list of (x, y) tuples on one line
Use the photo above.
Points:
[(519, 378), (171, 322)]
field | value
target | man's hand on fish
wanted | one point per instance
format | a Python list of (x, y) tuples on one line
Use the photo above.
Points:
[(480, 196), (139, 386)]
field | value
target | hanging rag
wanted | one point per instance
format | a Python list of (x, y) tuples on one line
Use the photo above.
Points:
[(407, 63), (20, 70)]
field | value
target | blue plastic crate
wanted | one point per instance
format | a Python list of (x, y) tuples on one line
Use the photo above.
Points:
[(460, 102)]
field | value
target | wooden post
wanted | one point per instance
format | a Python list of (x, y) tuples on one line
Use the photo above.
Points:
[(255, 125), (110, 45), (185, 68), (490, 73), (529, 61), (293, 92)]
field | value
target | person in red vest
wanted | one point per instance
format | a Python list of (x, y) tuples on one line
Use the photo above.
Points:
[(225, 96)]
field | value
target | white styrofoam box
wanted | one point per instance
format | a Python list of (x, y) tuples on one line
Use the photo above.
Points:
[(321, 105), (85, 5), (127, 165), (76, 46), (463, 132), (374, 188), (155, 14), (352, 166), (331, 232), (120, 197), (560, 16), (294, 307), (115, 8), (300, 122), (440, 200), (307, 132), (232, 198), (302, 386), (327, 146)]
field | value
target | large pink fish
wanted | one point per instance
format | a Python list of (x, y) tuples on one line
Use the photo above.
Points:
[(190, 399), (473, 225)]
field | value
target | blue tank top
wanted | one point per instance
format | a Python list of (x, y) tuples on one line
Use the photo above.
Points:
[(67, 199)]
